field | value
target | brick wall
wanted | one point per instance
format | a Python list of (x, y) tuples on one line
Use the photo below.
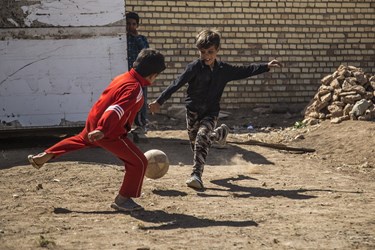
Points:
[(310, 37)]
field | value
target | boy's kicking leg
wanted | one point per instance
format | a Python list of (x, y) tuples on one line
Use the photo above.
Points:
[(203, 143), (201, 135), (67, 145)]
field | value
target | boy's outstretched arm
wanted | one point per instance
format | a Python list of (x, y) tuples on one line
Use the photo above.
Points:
[(274, 64)]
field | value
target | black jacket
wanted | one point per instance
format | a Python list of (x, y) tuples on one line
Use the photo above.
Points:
[(206, 86)]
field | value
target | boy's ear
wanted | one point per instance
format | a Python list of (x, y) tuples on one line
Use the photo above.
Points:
[(151, 78)]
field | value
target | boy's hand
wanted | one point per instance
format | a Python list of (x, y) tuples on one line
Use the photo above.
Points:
[(154, 107), (95, 135), (274, 64)]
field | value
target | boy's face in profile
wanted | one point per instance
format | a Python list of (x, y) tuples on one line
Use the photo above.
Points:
[(208, 56), (131, 26)]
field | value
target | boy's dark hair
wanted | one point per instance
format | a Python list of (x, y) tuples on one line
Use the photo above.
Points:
[(207, 38), (132, 15), (149, 61)]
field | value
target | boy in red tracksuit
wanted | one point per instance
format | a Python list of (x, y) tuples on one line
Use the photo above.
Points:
[(108, 123)]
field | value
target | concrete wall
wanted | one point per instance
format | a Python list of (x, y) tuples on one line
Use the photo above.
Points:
[(56, 57), (311, 37)]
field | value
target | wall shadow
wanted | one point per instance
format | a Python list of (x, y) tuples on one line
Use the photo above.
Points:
[(14, 151)]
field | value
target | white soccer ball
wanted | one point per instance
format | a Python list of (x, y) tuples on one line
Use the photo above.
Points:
[(158, 164)]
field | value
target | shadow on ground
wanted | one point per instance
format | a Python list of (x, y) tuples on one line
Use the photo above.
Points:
[(165, 220)]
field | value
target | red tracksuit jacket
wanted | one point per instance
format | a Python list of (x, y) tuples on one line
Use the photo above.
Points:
[(118, 105)]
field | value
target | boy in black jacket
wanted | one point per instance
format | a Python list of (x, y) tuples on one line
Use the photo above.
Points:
[(206, 78)]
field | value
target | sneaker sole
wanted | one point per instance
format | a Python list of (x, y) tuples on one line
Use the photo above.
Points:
[(195, 185), (33, 163), (115, 207), (223, 143)]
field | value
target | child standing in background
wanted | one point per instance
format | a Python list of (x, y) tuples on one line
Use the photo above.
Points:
[(135, 43)]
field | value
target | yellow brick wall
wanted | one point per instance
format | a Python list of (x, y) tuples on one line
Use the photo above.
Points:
[(310, 37)]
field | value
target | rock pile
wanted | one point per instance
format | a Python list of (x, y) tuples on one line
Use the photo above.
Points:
[(348, 93)]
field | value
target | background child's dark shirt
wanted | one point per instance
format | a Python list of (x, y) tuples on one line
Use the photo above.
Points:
[(134, 45), (206, 86)]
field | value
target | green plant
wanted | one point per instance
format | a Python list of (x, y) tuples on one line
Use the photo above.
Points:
[(299, 125)]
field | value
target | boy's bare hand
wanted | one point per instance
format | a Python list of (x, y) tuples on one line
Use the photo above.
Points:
[(95, 135), (274, 64), (154, 107)]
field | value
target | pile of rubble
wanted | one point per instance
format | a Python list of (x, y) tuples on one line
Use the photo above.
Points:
[(347, 94)]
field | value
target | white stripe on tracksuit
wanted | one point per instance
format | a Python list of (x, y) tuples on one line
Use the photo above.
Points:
[(117, 108)]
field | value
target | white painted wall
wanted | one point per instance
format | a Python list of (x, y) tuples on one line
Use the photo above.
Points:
[(43, 82), (54, 82), (75, 12)]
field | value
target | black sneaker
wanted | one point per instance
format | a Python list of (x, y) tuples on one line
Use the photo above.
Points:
[(139, 135), (195, 182), (139, 130), (126, 205)]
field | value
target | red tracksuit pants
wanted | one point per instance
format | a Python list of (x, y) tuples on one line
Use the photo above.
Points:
[(133, 158)]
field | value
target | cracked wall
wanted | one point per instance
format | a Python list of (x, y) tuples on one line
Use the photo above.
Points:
[(56, 57)]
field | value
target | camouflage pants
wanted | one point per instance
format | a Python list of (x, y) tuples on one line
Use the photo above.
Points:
[(202, 134)]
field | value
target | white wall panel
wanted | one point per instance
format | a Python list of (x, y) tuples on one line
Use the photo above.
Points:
[(45, 81)]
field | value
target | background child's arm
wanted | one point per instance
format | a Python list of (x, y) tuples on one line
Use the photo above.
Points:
[(142, 42)]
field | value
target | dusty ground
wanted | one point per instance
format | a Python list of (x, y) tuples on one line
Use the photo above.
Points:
[(257, 197)]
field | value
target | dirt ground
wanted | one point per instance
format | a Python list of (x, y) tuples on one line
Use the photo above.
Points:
[(256, 197)]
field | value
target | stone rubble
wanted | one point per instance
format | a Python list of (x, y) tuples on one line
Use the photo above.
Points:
[(347, 94)]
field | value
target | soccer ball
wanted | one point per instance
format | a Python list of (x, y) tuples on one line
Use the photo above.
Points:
[(158, 164)]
